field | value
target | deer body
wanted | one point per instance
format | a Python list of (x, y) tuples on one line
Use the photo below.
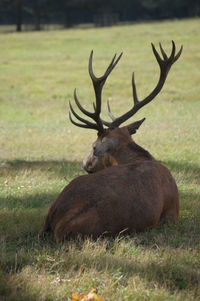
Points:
[(131, 197), (126, 188)]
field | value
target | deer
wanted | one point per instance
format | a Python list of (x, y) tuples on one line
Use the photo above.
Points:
[(126, 189)]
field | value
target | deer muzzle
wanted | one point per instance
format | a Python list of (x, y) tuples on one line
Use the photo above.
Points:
[(90, 163)]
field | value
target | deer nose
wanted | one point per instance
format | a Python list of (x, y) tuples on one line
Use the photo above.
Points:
[(87, 167)]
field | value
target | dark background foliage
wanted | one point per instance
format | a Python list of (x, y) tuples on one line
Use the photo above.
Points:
[(67, 13)]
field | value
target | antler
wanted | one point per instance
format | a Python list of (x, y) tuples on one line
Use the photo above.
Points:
[(165, 65), (98, 83)]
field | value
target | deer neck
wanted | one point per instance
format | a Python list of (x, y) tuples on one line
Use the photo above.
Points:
[(132, 153)]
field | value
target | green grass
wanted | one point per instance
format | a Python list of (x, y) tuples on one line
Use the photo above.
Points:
[(40, 152)]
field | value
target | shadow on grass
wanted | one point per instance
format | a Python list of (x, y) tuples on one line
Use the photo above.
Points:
[(30, 169), (171, 273), (183, 165), (186, 168), (167, 273), (28, 201), (10, 292), (62, 168)]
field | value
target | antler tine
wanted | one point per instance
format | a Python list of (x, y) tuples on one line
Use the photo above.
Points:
[(163, 52), (165, 65), (112, 117), (110, 67), (98, 82), (110, 114), (90, 69), (178, 54), (167, 60), (90, 124), (112, 64), (94, 127), (135, 98), (173, 51), (158, 58), (87, 113)]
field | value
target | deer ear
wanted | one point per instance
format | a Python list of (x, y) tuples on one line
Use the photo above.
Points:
[(133, 127)]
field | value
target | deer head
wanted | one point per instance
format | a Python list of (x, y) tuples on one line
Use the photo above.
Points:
[(110, 148)]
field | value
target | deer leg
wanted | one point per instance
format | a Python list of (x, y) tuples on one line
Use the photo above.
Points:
[(86, 223), (170, 215)]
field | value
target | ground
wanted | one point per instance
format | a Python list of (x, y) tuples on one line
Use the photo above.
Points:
[(40, 152)]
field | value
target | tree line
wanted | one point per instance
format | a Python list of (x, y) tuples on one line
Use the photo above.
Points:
[(101, 12)]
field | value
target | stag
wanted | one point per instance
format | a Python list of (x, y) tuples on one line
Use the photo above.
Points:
[(126, 188)]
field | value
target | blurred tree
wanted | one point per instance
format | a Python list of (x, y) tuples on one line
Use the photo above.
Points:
[(18, 4), (70, 12), (36, 13)]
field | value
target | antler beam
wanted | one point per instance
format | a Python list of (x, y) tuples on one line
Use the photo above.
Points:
[(165, 65), (98, 83)]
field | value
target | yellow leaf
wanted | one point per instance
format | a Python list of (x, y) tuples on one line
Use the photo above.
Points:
[(76, 297), (92, 296)]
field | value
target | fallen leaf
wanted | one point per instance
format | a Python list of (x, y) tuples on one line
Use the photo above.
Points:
[(92, 296)]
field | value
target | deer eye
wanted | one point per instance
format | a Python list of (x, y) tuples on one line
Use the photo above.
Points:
[(94, 146)]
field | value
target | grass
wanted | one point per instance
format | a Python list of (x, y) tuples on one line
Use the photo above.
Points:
[(40, 152)]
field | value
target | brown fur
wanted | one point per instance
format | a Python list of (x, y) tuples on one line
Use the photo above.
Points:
[(127, 189)]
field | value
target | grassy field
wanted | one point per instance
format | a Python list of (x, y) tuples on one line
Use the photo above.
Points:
[(40, 152)]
